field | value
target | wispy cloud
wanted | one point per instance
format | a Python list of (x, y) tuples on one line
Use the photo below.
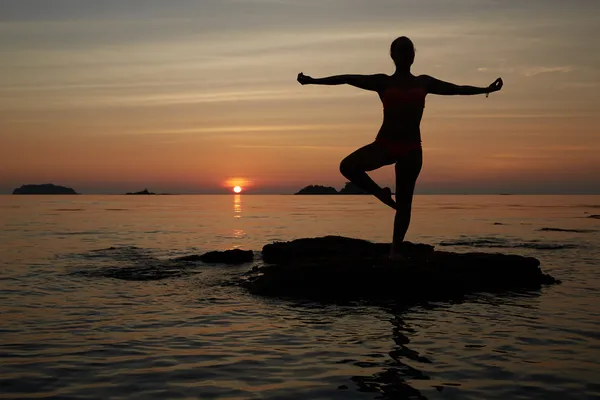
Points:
[(533, 71), (291, 146), (248, 129)]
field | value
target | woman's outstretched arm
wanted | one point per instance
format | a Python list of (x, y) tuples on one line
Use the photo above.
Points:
[(366, 82), (436, 86)]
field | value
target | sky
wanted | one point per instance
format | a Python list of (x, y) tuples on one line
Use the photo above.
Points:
[(196, 96)]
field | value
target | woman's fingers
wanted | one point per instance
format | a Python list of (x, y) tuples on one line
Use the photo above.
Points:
[(303, 79), (497, 85)]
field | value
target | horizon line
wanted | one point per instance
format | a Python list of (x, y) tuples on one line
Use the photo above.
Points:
[(317, 195)]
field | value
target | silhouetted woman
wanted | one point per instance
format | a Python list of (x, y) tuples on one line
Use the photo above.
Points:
[(399, 139)]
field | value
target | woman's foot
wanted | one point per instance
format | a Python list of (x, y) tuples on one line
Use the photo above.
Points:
[(396, 258), (385, 196)]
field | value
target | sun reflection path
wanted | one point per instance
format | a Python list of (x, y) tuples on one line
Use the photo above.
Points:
[(237, 206), (238, 233)]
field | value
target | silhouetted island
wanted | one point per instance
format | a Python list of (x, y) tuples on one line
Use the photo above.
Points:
[(46, 188), (349, 188), (317, 189), (145, 191)]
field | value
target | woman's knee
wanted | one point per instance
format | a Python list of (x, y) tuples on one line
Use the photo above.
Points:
[(347, 167)]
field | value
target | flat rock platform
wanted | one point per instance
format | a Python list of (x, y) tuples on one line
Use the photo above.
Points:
[(336, 267)]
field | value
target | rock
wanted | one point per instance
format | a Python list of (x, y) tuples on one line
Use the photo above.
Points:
[(47, 188), (334, 267), (337, 247), (317, 189), (235, 256), (594, 216), (566, 230)]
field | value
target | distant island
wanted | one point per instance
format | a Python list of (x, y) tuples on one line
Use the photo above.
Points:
[(145, 191), (349, 188), (317, 189), (46, 188)]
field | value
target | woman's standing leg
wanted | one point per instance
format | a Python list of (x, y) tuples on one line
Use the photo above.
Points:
[(407, 172)]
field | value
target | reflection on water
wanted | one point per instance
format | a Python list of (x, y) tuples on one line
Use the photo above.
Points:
[(237, 206), (238, 233), (392, 381)]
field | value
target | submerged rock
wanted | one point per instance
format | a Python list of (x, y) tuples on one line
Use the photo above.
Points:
[(340, 267), (235, 256)]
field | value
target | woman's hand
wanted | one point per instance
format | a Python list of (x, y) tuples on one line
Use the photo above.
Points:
[(304, 79), (496, 86)]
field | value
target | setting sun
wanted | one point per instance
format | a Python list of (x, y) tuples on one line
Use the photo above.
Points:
[(237, 189)]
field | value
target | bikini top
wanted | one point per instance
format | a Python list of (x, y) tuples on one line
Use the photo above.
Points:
[(394, 96)]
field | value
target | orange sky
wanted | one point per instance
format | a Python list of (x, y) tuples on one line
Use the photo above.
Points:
[(186, 96)]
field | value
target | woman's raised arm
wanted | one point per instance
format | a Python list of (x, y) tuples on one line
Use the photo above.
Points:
[(436, 86), (366, 82)]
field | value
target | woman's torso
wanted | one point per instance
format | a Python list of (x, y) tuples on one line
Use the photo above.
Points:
[(403, 101)]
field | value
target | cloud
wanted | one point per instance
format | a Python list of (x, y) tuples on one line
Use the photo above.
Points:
[(250, 128), (529, 71), (534, 71)]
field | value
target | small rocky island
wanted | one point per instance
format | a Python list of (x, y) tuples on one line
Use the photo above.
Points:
[(317, 189), (349, 188), (143, 192), (46, 188)]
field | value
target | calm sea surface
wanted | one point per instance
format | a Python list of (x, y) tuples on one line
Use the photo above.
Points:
[(69, 330)]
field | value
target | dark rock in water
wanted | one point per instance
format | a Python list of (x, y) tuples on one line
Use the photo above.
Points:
[(341, 268), (132, 264), (145, 191), (235, 256), (46, 188), (566, 230), (137, 273), (594, 216), (317, 189)]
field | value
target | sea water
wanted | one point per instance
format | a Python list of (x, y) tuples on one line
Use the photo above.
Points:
[(70, 329)]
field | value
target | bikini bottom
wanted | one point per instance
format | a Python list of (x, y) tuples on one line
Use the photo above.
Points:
[(398, 149)]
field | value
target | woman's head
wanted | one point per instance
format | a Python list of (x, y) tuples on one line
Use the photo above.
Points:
[(402, 52)]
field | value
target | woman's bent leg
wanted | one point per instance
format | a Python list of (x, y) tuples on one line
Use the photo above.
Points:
[(368, 158)]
